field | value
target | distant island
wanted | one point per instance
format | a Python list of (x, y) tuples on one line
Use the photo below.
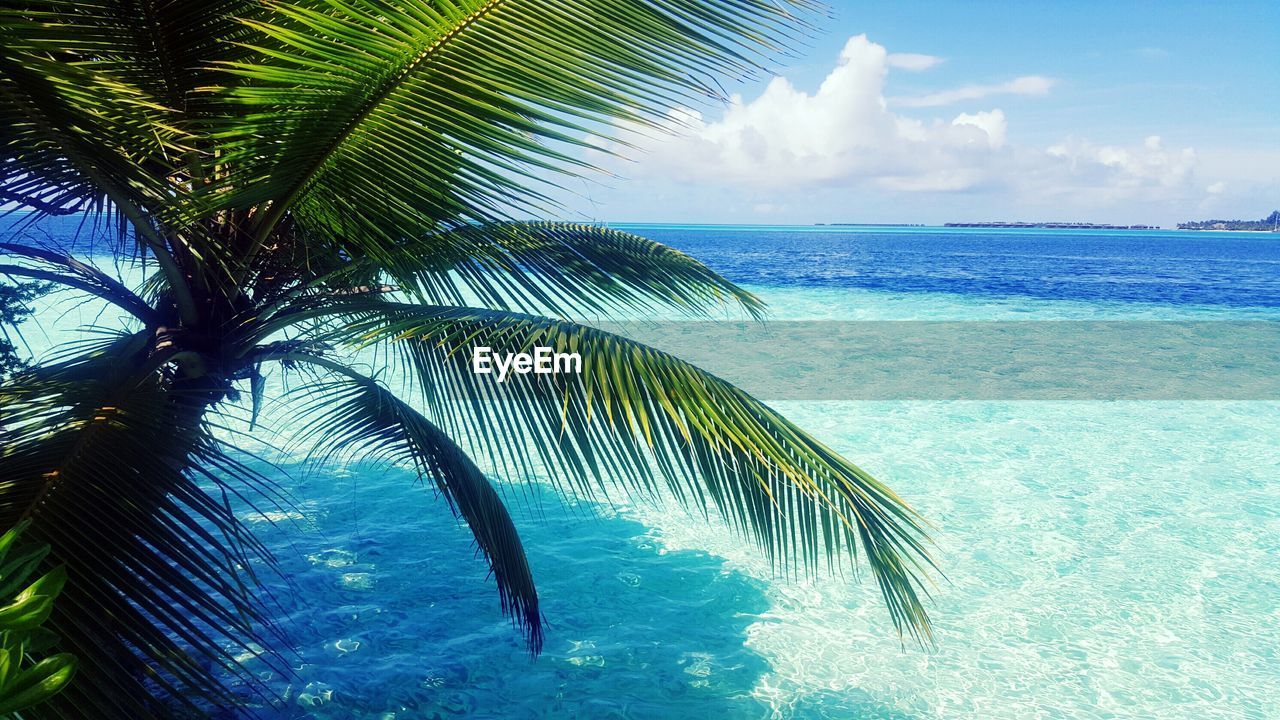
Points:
[(1270, 223), (1057, 225)]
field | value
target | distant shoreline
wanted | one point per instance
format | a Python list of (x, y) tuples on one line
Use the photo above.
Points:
[(1227, 230), (1051, 226), (1002, 225), (1270, 223)]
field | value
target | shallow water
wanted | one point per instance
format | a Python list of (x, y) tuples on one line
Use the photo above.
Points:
[(1102, 559)]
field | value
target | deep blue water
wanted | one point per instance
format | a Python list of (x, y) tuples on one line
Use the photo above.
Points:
[(1160, 266), (1229, 269)]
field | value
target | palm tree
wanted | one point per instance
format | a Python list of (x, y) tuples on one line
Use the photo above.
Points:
[(305, 179)]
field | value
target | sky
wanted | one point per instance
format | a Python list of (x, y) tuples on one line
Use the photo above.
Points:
[(932, 112)]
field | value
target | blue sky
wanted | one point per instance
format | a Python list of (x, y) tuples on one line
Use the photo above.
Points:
[(939, 111)]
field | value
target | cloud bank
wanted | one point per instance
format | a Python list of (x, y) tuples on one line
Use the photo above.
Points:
[(848, 134)]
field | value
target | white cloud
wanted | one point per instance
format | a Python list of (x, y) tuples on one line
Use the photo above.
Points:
[(1112, 171), (1025, 85), (842, 132), (1217, 188), (992, 123), (913, 62), (846, 134)]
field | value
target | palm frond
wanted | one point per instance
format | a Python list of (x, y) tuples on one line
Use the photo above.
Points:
[(560, 268), (352, 416), (76, 274), (162, 47), (393, 119), (73, 134), (89, 122), (658, 426)]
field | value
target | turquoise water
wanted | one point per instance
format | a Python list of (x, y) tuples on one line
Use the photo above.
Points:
[(1102, 559)]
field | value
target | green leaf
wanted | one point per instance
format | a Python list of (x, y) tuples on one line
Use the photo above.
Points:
[(37, 640), (10, 658), (6, 542), (39, 683), (14, 573), (20, 633), (26, 612), (49, 584)]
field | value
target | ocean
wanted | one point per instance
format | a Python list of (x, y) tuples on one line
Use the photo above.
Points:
[(1101, 558)]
